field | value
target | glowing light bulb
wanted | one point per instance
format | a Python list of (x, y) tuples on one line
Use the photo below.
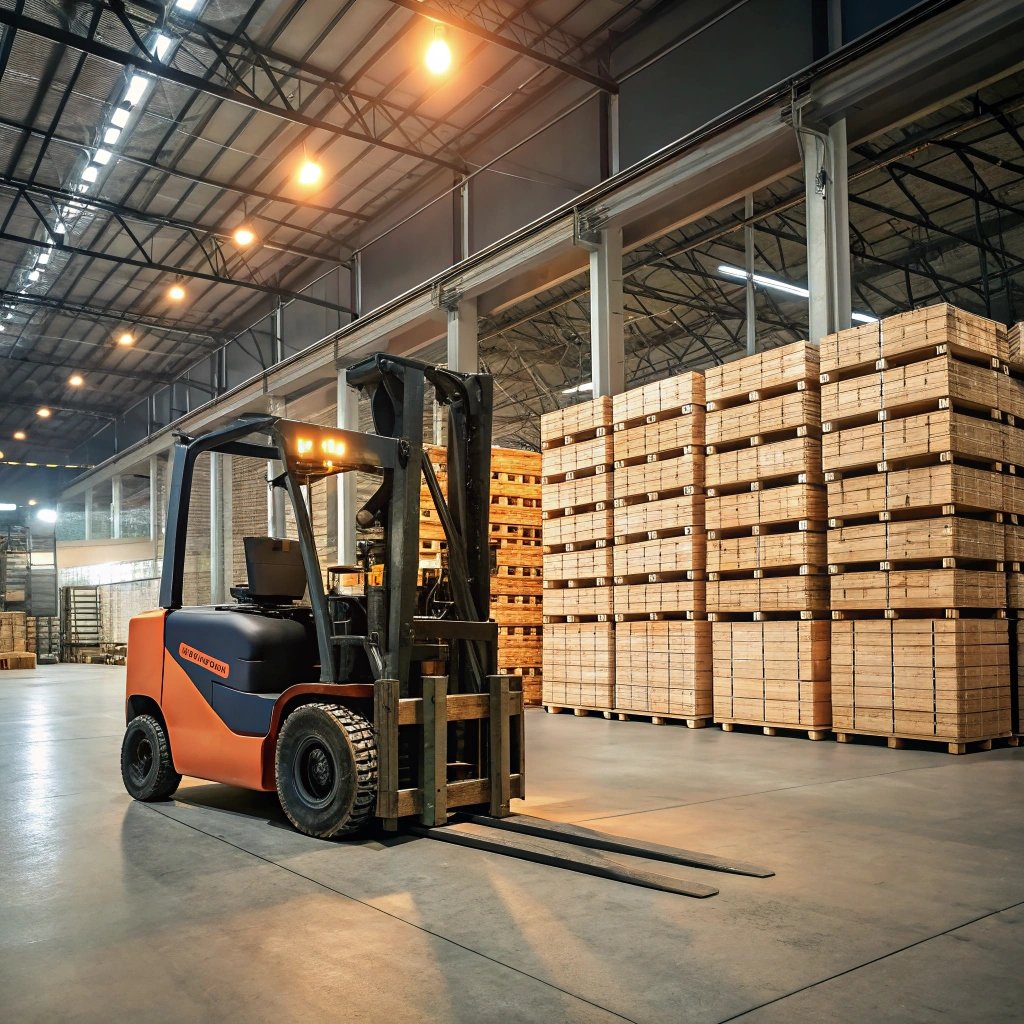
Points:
[(76, 380), (176, 293), (20, 435), (310, 173), (244, 236), (43, 413), (438, 57), (126, 339)]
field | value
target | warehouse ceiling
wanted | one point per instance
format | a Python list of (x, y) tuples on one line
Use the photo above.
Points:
[(228, 99), (135, 140), (936, 215)]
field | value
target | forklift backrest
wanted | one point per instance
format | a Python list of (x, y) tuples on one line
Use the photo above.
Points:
[(274, 568)]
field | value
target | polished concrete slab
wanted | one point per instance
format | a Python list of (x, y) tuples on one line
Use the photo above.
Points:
[(899, 893)]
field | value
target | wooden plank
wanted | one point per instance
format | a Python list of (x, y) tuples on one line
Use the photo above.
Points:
[(385, 723), (434, 762), (500, 707)]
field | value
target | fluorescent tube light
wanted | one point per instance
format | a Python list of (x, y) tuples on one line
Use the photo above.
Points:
[(119, 118), (102, 156), (136, 89), (585, 386)]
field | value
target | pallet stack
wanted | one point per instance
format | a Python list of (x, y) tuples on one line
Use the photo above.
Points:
[(14, 651), (515, 535), (767, 581), (579, 651), (1013, 391), (919, 418), (659, 558)]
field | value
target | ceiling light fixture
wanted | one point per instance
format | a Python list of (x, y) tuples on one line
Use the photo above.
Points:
[(163, 44), (784, 286), (32, 501), (8, 506), (176, 293), (43, 413), (76, 380), (119, 118), (310, 173), (186, 5), (44, 258), (20, 435), (244, 235), (110, 136), (126, 339), (587, 385), (34, 275), (438, 57), (47, 515), (137, 89), (102, 156)]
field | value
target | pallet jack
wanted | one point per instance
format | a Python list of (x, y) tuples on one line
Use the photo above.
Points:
[(385, 706)]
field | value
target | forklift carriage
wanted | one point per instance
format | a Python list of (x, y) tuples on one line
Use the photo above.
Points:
[(382, 704)]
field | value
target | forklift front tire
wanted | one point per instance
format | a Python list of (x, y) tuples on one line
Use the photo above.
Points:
[(146, 765), (326, 770)]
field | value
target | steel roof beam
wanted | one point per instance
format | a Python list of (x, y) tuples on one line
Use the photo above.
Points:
[(433, 13), (144, 64), (26, 188), (163, 268)]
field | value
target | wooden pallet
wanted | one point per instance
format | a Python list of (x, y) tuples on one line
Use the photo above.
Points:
[(661, 399), (683, 435), (582, 420), (922, 589), (771, 729), (660, 475), (579, 664), (17, 660), (902, 742), (947, 537), (735, 426), (620, 715), (761, 376), (583, 528), (787, 504), (756, 466)]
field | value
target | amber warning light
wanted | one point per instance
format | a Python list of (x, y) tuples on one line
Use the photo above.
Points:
[(326, 448)]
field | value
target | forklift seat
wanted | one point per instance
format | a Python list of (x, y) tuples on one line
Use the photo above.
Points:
[(275, 571)]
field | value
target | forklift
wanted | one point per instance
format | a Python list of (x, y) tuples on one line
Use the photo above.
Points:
[(383, 707)]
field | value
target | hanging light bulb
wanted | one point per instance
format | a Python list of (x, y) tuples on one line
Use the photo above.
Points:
[(126, 339), (244, 235), (438, 57), (310, 173), (176, 293)]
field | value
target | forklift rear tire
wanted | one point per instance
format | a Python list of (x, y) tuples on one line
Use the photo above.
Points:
[(326, 769), (146, 765)]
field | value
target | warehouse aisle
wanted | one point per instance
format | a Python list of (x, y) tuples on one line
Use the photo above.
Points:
[(898, 893)]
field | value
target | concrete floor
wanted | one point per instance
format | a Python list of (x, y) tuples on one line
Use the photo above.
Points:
[(899, 893)]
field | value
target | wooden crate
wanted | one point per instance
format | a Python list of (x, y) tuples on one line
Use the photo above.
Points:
[(585, 529), (910, 589), (663, 558), (580, 493), (739, 423), (583, 458), (674, 599), (576, 422), (744, 510), (666, 516), (938, 538), (769, 595), (761, 375), (790, 458), (17, 660), (13, 632), (937, 679), (579, 664), (922, 489), (666, 668), (772, 673), (659, 476), (562, 568), (661, 399), (772, 551), (583, 601), (678, 435), (895, 336)]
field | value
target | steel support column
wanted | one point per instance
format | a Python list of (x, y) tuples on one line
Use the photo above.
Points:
[(828, 229), (87, 532), (348, 419), (748, 252), (275, 501), (154, 496), (115, 508), (463, 348), (607, 343)]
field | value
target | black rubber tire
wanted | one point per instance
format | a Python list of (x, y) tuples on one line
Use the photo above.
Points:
[(326, 770), (147, 768)]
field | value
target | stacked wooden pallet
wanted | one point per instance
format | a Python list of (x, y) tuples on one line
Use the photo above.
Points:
[(919, 419), (1013, 388), (14, 651), (767, 585), (662, 635), (515, 534), (579, 654)]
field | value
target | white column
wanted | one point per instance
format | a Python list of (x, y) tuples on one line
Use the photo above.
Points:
[(115, 508), (87, 534), (463, 350), (839, 212), (748, 251), (216, 529), (828, 229), (613, 133), (348, 419), (607, 344)]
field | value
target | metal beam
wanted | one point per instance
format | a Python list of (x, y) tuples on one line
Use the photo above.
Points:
[(145, 65), (463, 348), (607, 342), (431, 12), (163, 268)]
